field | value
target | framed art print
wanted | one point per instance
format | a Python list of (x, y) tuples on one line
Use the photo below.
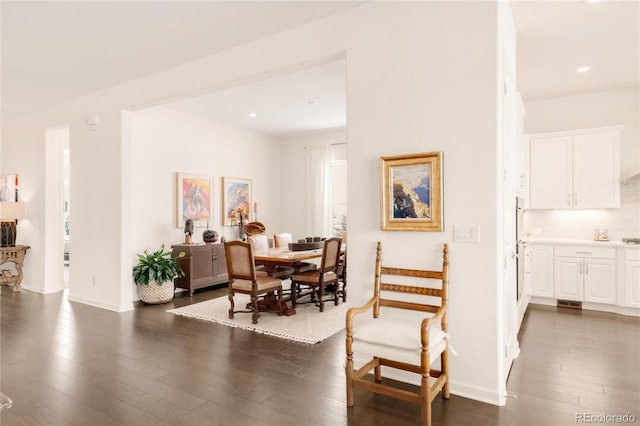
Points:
[(194, 199), (411, 192), (236, 200)]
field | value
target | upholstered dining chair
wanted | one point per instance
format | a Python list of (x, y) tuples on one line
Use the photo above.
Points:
[(259, 242), (318, 279), (342, 276), (244, 279), (409, 336), (281, 241)]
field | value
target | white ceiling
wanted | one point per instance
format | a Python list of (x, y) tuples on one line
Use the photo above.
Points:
[(56, 51), (310, 99)]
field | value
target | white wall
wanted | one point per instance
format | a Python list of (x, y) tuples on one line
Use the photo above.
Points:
[(618, 107), (421, 76), (167, 141)]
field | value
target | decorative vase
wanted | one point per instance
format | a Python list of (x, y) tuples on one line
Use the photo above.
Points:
[(209, 236), (155, 293)]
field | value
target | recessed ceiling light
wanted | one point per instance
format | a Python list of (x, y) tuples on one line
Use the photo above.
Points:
[(311, 102), (253, 115), (582, 69), (591, 1)]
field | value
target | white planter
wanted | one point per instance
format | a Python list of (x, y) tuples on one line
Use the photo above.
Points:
[(155, 293)]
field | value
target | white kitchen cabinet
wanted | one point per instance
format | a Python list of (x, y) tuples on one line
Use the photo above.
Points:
[(632, 278), (541, 270), (575, 169), (585, 274), (568, 278)]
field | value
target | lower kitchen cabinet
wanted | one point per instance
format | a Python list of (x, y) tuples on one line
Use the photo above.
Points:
[(585, 274), (603, 277), (600, 281), (568, 278), (541, 270), (204, 265), (632, 278)]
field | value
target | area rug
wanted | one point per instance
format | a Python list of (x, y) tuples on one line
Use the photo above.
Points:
[(308, 325)]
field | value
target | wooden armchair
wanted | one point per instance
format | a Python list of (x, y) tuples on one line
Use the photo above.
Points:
[(243, 278), (409, 336)]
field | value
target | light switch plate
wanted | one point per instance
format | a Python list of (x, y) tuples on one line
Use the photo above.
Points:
[(466, 233)]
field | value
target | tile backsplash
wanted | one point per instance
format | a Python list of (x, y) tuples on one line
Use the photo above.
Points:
[(583, 224)]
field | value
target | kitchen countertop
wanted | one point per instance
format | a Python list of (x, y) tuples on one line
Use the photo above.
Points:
[(611, 243)]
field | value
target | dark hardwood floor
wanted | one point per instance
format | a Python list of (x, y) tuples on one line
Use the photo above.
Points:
[(70, 364)]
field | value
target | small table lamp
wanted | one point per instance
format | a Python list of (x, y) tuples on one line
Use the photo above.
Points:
[(10, 212)]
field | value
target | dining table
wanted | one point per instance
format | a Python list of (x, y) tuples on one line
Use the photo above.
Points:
[(275, 258), (283, 257)]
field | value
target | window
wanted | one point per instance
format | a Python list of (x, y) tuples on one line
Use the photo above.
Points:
[(338, 189)]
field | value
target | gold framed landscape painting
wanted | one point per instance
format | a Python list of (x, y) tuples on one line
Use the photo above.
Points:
[(411, 192), (194, 199)]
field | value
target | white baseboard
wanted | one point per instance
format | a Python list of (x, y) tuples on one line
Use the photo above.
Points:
[(97, 304), (477, 393)]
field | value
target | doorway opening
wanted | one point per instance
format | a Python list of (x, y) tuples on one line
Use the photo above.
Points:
[(57, 209)]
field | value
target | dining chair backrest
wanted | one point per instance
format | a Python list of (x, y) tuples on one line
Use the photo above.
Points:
[(240, 262), (282, 240), (330, 254), (260, 243)]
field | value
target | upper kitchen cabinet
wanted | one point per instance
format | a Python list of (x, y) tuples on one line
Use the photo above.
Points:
[(575, 169)]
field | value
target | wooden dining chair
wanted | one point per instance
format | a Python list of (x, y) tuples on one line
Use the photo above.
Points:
[(409, 336), (281, 241), (260, 244), (316, 280), (342, 276), (244, 279)]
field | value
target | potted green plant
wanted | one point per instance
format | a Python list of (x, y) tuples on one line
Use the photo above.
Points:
[(154, 275)]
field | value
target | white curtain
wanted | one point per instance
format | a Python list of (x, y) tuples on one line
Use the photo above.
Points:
[(319, 191)]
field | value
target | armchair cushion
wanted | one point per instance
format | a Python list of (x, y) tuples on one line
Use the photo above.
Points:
[(396, 339)]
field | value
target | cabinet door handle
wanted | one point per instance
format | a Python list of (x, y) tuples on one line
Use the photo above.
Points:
[(214, 257), (583, 252), (575, 199), (568, 198), (586, 268), (580, 273)]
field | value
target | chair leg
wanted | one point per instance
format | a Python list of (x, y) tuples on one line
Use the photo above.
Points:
[(425, 402), (344, 290), (444, 362), (280, 303), (254, 307), (377, 372), (349, 373), (293, 294), (335, 293), (232, 305), (321, 296)]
